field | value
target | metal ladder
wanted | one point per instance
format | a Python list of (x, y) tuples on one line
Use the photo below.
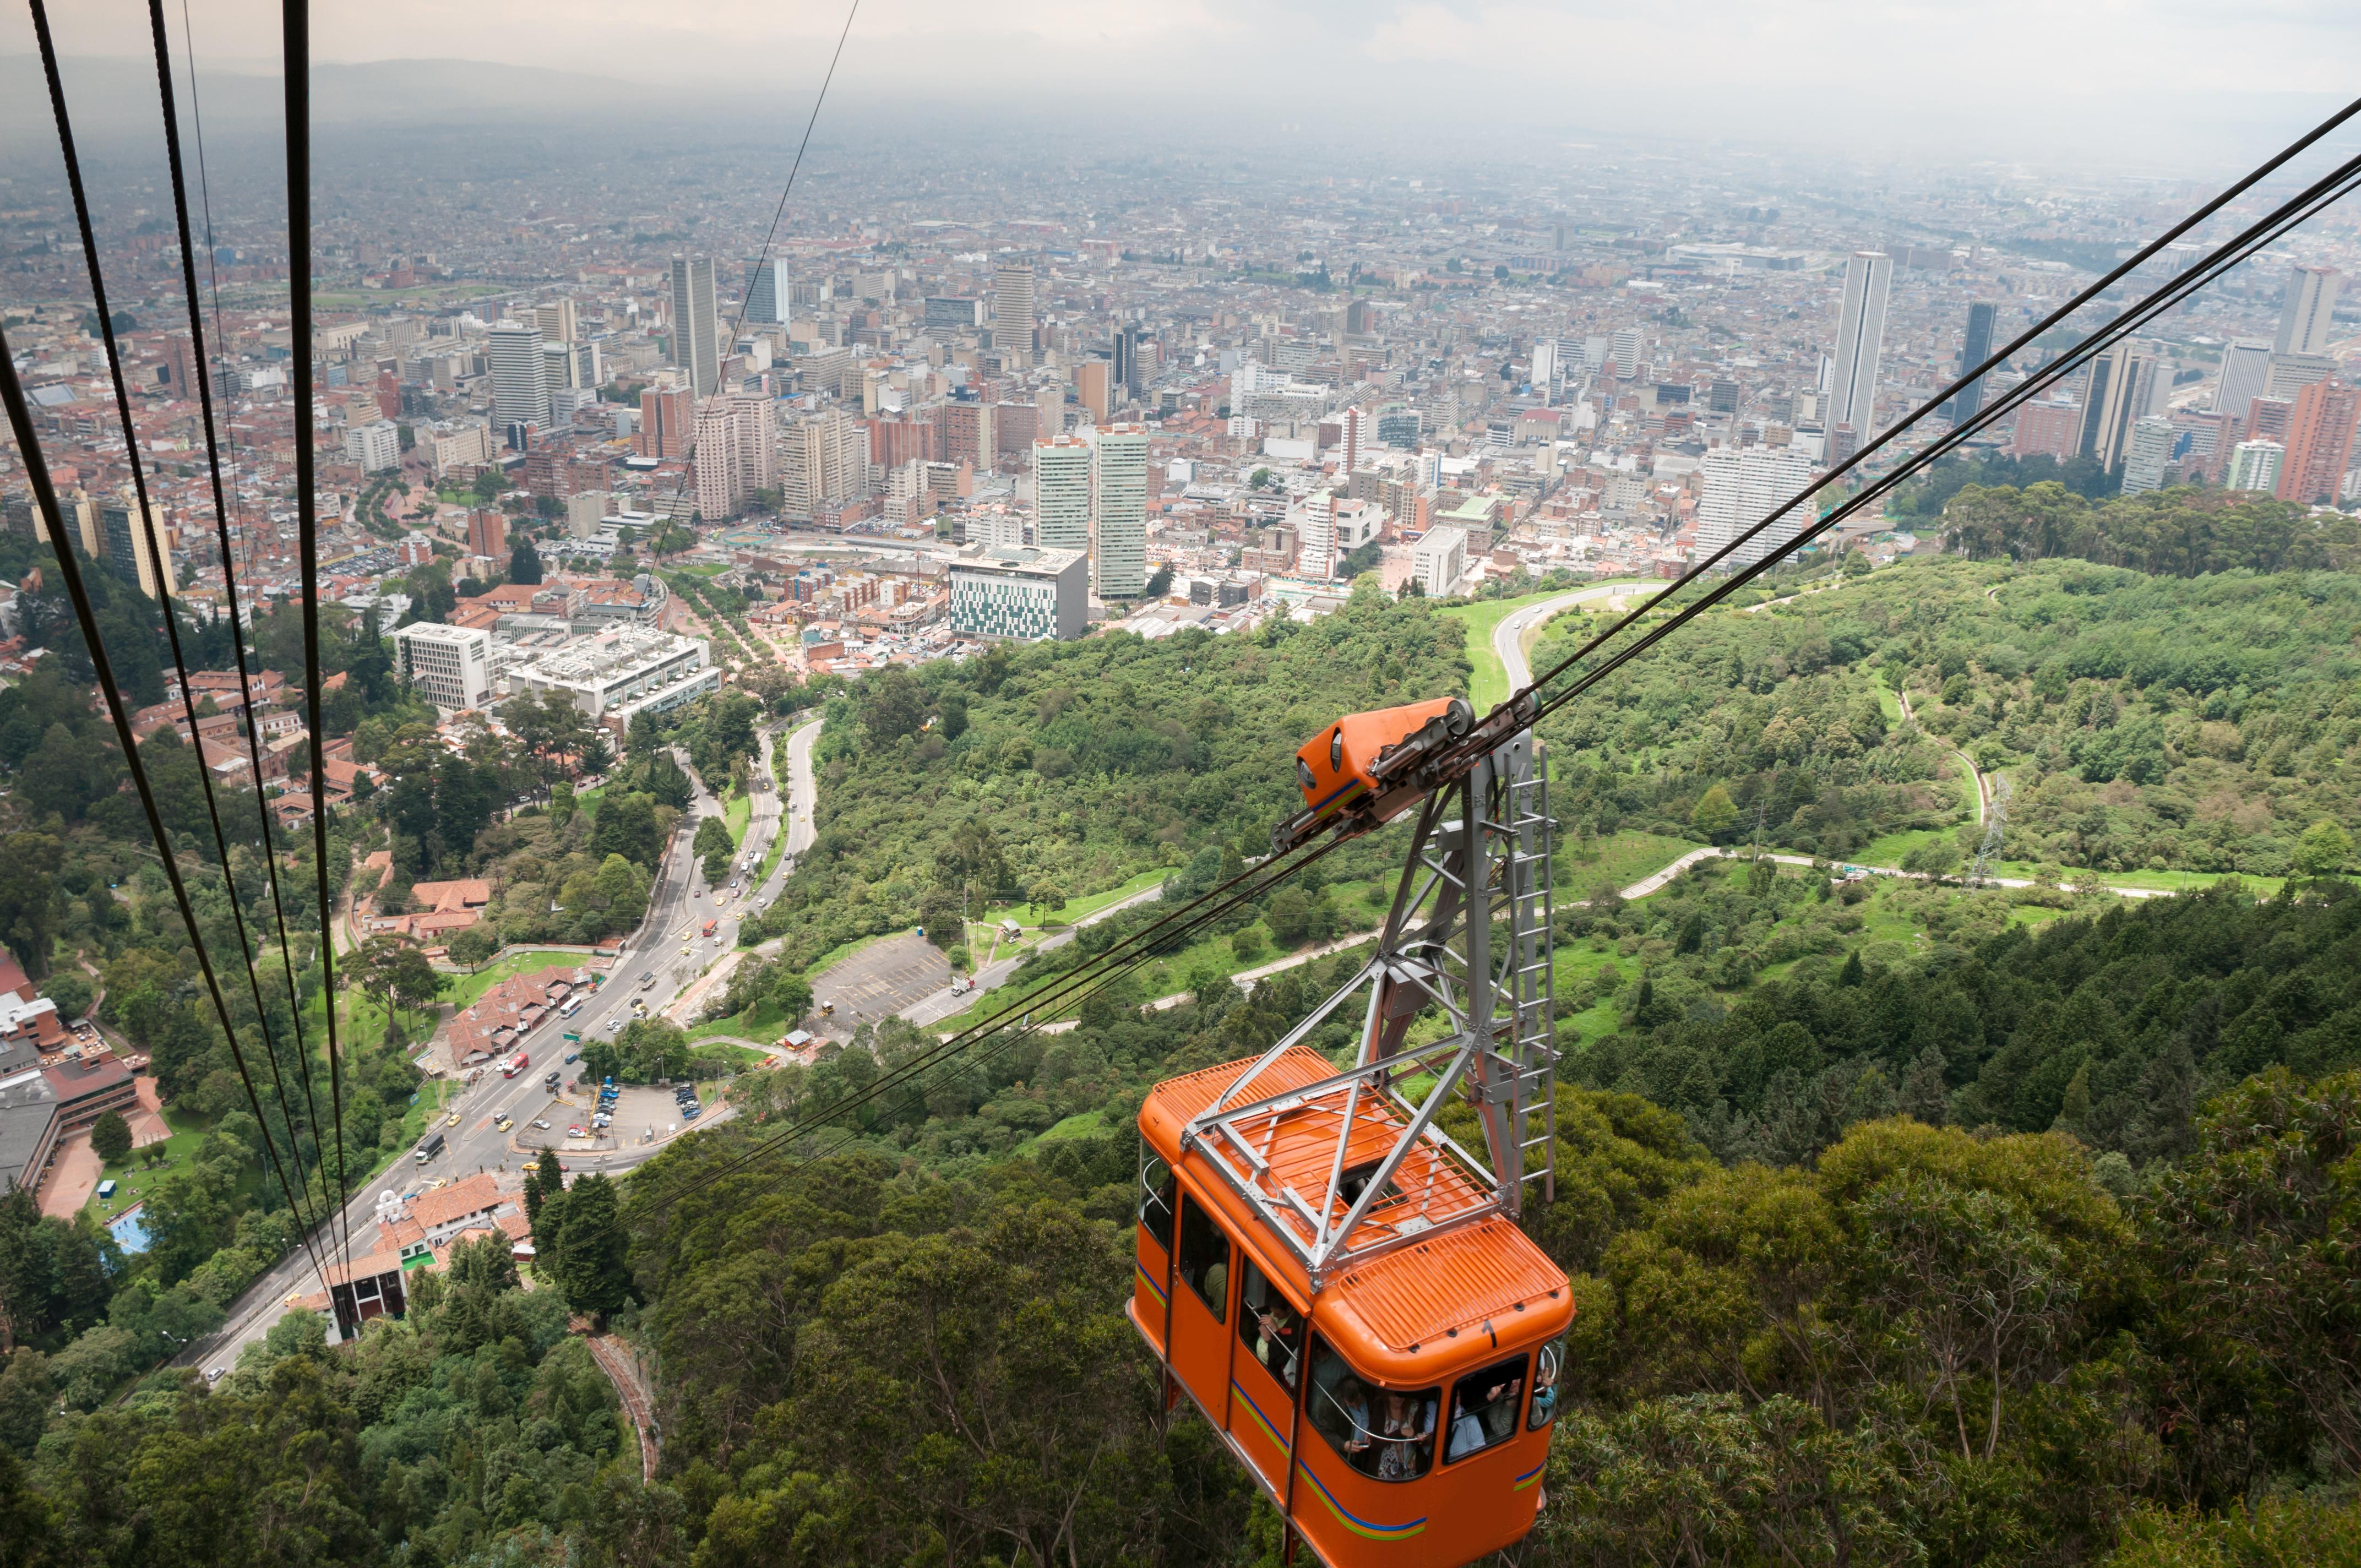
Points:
[(1523, 979)]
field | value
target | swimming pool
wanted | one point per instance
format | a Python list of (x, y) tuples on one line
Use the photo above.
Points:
[(130, 1229)]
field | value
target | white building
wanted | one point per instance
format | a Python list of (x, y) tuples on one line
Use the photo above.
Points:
[(460, 446), (1861, 333), (2305, 312), (617, 673), (1062, 493), (2244, 363), (585, 510), (696, 327), (450, 667), (376, 446), (1119, 511), (1023, 595), (2147, 453), (2255, 465), (1013, 318), (520, 379), (1742, 486), (1438, 560)]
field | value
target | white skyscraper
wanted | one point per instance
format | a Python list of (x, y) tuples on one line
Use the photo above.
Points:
[(1544, 376), (1119, 508), (519, 382), (2246, 361), (766, 293), (1860, 331), (1062, 493), (1013, 316), (2255, 465), (696, 342), (2304, 325), (2147, 453), (1741, 488)]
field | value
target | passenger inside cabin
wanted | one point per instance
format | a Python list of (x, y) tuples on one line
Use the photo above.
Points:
[(1407, 1437)]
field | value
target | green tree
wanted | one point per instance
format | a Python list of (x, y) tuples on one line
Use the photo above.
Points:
[(1713, 814), (111, 1136), (2323, 849), (593, 1267), (714, 846)]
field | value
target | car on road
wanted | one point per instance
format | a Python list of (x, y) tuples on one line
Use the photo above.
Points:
[(577, 1055), (452, 1119), (214, 1374), (503, 1123)]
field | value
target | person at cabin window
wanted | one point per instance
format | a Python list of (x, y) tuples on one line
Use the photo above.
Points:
[(1484, 1409), (1352, 1403), (1269, 1326), (1407, 1432), (1545, 1387)]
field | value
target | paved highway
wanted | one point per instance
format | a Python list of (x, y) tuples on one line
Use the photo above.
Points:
[(1508, 637), (680, 902)]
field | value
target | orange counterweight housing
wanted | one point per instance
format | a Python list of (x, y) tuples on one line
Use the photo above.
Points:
[(1334, 768), (1401, 1416)]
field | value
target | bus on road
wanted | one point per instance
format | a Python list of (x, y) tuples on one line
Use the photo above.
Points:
[(515, 1065)]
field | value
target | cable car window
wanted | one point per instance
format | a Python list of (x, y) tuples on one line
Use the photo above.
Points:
[(1269, 1325), (1384, 1433), (1205, 1259), (1156, 1199), (1337, 749), (1546, 1366), (1483, 1408)]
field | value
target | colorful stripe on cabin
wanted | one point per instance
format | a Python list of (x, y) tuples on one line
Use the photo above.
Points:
[(1356, 1524), (1261, 1420), (1152, 1283)]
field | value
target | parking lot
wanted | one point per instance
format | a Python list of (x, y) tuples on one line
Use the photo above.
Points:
[(638, 1109), (882, 979)]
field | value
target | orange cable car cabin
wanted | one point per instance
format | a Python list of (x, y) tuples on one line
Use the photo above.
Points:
[(1338, 1285)]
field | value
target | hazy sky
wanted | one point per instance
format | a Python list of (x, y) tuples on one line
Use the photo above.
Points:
[(2125, 83)]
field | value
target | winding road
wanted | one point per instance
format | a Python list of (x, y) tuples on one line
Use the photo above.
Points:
[(1519, 626)]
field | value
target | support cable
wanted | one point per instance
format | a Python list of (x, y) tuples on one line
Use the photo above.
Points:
[(45, 496), (221, 509), (295, 18), (159, 564), (1074, 987)]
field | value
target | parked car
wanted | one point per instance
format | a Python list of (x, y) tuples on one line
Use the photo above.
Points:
[(541, 1121)]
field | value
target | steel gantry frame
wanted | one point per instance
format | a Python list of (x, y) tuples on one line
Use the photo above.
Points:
[(1467, 933)]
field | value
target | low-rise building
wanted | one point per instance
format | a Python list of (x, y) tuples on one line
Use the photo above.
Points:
[(1024, 594), (450, 667), (620, 673)]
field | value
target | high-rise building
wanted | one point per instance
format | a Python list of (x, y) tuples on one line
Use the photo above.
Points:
[(375, 446), (1062, 493), (185, 370), (1021, 594), (487, 533), (2245, 362), (822, 461), (758, 443), (1352, 437), (2124, 388), (663, 421), (1625, 358), (557, 321), (1119, 511), (1013, 317), (2046, 430), (2255, 465), (2320, 442), (125, 546), (695, 325), (1439, 560), (1742, 486), (968, 432), (1974, 349), (2147, 453), (720, 480), (1860, 335), (766, 293), (2305, 310), (1091, 389), (519, 376)]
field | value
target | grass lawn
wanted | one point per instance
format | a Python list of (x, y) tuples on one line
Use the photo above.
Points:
[(465, 989), (1488, 684), (1621, 858), (1887, 703), (1076, 909), (740, 1056), (189, 1130), (735, 812), (763, 1021), (1889, 850)]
